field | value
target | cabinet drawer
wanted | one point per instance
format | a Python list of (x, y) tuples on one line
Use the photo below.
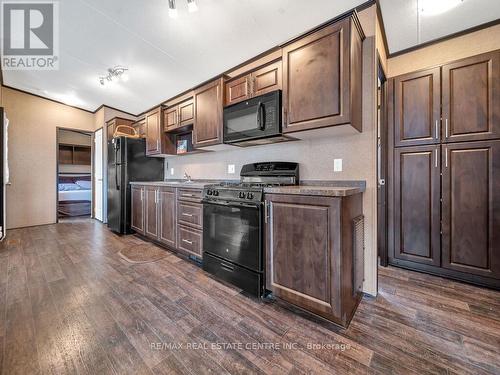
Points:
[(192, 195), (189, 214), (189, 240)]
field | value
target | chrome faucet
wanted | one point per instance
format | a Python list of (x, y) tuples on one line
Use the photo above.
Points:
[(187, 177)]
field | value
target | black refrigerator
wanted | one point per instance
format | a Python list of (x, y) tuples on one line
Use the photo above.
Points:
[(127, 162)]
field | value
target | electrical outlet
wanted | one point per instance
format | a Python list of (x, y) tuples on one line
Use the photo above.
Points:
[(337, 165), (171, 171), (230, 168)]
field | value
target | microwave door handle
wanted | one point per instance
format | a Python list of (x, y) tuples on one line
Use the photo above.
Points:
[(260, 116)]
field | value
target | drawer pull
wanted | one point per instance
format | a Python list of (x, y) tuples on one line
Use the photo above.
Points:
[(227, 267), (187, 195), (185, 214), (187, 241)]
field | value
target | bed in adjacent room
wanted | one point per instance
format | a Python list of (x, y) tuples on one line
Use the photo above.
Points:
[(74, 195)]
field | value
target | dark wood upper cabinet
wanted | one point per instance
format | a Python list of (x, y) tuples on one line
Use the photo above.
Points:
[(311, 260), (167, 215), (471, 98), (208, 102), (257, 82), (417, 108), (417, 203), (137, 209), (238, 90), (471, 208), (322, 78), (151, 211), (179, 114), (154, 132)]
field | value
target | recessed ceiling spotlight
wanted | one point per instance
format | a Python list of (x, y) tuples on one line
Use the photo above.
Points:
[(192, 7), (118, 73), (434, 7), (172, 10)]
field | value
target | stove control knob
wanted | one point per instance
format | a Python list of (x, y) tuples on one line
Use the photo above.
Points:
[(241, 194), (209, 192), (215, 192), (249, 196)]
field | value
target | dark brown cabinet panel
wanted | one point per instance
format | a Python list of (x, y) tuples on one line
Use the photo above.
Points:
[(309, 249), (417, 108), (154, 132), (322, 78), (151, 211), (267, 79), (168, 217), (137, 209), (190, 241), (170, 118), (237, 90), (186, 112), (471, 98), (178, 115), (471, 208), (208, 101), (417, 203)]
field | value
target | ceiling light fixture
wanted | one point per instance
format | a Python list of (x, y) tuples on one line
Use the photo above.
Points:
[(118, 73), (433, 7), (192, 7), (172, 10)]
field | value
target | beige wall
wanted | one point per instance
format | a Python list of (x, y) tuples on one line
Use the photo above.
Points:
[(453, 49), (316, 154), (31, 197)]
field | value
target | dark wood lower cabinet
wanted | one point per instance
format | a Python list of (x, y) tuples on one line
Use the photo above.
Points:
[(137, 209), (151, 209), (310, 252), (471, 208), (417, 203), (167, 216)]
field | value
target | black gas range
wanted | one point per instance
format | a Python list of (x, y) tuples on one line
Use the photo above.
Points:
[(233, 223)]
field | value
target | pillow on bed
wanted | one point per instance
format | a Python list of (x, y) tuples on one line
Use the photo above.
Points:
[(68, 187), (87, 185)]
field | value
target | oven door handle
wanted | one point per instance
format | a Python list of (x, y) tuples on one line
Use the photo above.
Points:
[(260, 116), (229, 204)]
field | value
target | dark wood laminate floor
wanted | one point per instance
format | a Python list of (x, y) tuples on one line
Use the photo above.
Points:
[(69, 304)]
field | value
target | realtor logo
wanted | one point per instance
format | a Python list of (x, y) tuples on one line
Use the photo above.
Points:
[(30, 35)]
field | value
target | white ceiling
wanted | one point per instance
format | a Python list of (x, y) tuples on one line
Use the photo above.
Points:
[(401, 19), (165, 56)]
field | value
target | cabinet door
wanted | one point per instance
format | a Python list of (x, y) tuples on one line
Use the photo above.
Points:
[(167, 216), (471, 208), (417, 108), (266, 79), (170, 118), (137, 209), (416, 204), (154, 132), (302, 251), (316, 79), (186, 112), (207, 129), (237, 90), (471, 98), (151, 208)]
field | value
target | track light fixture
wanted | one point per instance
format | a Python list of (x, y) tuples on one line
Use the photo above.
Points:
[(172, 10), (118, 73)]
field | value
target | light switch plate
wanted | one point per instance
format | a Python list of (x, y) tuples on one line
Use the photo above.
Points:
[(230, 168), (337, 165), (171, 171)]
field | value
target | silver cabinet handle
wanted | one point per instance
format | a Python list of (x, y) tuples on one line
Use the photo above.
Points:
[(266, 211), (446, 128), (142, 195), (185, 214), (187, 195), (437, 129), (157, 144), (446, 157), (187, 241), (436, 158)]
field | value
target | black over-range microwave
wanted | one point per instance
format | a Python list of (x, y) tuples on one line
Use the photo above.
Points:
[(255, 121)]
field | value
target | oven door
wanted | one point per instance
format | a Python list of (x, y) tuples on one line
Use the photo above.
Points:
[(233, 231), (256, 118)]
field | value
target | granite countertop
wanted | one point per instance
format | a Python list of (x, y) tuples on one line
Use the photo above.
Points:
[(330, 191), (312, 187)]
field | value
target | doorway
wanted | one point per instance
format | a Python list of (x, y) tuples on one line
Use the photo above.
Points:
[(98, 176), (382, 146), (74, 173)]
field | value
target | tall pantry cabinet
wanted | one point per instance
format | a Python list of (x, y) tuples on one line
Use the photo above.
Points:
[(444, 206)]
